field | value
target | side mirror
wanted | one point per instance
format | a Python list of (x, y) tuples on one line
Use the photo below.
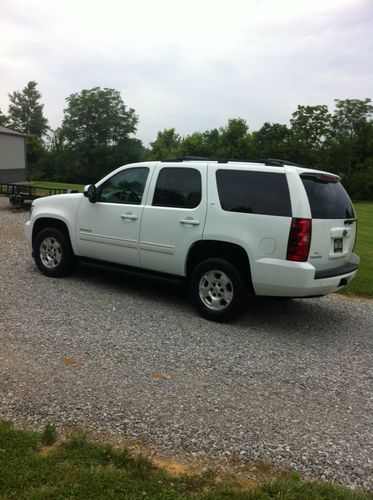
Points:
[(90, 192)]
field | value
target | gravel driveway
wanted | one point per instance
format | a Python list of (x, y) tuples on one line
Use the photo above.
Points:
[(289, 383)]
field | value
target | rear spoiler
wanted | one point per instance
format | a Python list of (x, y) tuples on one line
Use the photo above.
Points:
[(322, 176)]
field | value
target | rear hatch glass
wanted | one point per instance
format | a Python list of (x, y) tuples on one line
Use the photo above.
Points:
[(333, 221), (328, 199)]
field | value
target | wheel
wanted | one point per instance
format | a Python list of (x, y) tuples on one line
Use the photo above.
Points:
[(217, 289), (53, 253)]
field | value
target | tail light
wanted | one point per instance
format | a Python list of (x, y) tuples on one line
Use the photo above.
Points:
[(299, 240)]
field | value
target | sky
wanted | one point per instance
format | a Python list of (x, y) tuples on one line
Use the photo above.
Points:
[(192, 64)]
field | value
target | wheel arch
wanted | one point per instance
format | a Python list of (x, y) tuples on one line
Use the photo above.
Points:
[(233, 253), (45, 222)]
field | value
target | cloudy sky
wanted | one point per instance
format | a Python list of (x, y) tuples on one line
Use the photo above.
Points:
[(190, 64)]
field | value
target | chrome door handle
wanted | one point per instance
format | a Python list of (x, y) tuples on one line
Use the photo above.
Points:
[(192, 222), (129, 216)]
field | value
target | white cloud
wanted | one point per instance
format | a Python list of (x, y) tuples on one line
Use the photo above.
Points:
[(190, 65)]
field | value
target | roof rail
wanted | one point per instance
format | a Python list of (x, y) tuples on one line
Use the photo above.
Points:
[(275, 162), (187, 158), (271, 162)]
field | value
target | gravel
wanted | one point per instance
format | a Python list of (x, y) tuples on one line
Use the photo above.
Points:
[(289, 383)]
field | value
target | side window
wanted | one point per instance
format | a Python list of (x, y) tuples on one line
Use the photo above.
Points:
[(265, 193), (178, 187), (126, 187)]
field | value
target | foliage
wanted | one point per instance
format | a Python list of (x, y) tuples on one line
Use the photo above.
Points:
[(94, 136), (25, 113), (272, 141), (310, 128), (351, 128), (235, 140), (97, 117), (97, 135), (341, 142), (49, 435), (166, 145), (3, 119)]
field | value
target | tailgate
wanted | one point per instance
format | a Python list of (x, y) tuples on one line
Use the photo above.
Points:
[(333, 221), (332, 242)]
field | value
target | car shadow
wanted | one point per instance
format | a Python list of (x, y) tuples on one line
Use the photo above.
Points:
[(314, 316)]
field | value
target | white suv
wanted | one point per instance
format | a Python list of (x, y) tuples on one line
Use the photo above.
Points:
[(228, 229)]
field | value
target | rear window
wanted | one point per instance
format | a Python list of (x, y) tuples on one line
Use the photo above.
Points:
[(328, 200), (264, 193)]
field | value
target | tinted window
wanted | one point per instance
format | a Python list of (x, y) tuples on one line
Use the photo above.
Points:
[(126, 187), (328, 200), (178, 187), (254, 192)]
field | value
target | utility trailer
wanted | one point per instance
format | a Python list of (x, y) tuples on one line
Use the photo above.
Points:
[(25, 193)]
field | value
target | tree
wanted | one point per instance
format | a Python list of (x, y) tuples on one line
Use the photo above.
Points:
[(95, 130), (272, 141), (194, 145), (310, 128), (3, 119), (97, 117), (166, 145), (235, 142), (311, 125), (351, 127), (350, 115), (25, 113)]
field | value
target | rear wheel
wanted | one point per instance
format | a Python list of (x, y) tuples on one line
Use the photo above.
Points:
[(217, 289), (53, 253)]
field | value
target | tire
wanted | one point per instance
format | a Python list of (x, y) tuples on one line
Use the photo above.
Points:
[(53, 253), (217, 290)]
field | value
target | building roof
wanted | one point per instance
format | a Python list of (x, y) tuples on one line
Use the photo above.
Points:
[(8, 131)]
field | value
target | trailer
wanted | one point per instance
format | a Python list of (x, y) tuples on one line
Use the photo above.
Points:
[(23, 193)]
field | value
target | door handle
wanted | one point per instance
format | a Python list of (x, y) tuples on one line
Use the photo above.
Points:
[(192, 222), (129, 216)]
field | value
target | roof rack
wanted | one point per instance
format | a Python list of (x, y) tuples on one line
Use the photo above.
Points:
[(187, 158), (275, 162), (270, 162)]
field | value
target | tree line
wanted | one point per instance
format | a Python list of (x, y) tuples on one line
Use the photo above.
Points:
[(97, 134)]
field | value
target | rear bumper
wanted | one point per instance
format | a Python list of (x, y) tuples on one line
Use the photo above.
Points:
[(281, 278), (337, 271)]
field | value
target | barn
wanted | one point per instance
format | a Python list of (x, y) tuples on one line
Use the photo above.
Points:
[(12, 156)]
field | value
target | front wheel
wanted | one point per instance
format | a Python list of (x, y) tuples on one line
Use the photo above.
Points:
[(53, 253), (217, 289)]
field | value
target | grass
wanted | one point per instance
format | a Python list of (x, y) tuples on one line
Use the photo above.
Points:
[(363, 282), (77, 468)]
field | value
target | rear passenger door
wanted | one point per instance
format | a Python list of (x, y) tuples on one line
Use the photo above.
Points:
[(173, 217)]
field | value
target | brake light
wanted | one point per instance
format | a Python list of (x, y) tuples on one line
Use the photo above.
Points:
[(299, 240)]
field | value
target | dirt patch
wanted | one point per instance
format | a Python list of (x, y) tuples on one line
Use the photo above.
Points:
[(161, 376), (72, 362)]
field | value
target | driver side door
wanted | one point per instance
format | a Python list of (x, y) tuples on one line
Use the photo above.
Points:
[(109, 229)]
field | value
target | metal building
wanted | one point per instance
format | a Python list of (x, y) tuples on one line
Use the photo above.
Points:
[(12, 156)]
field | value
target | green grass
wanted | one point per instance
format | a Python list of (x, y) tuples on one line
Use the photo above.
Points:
[(363, 282), (77, 468)]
